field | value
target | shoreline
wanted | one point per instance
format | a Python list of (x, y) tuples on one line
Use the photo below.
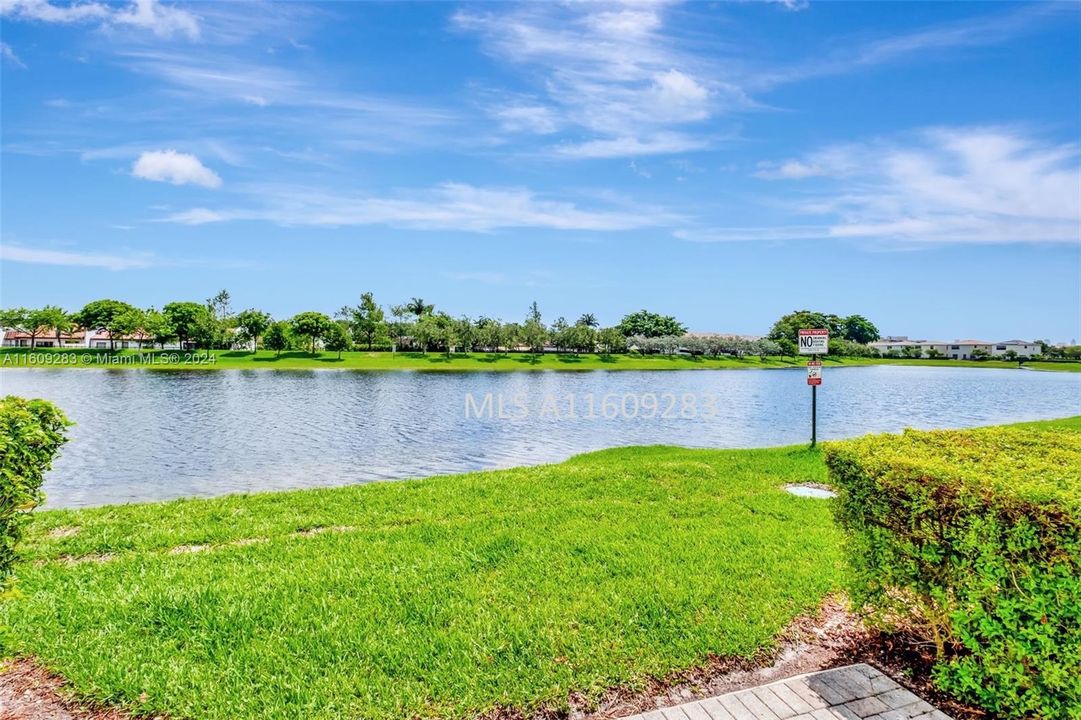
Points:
[(217, 360)]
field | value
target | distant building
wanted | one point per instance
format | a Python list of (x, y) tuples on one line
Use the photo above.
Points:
[(955, 350), (96, 339)]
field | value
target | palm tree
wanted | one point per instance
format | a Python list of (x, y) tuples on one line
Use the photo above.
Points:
[(418, 307), (589, 320)]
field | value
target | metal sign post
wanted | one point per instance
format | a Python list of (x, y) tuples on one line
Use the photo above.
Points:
[(814, 343)]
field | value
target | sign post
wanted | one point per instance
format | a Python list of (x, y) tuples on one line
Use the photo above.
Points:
[(814, 342)]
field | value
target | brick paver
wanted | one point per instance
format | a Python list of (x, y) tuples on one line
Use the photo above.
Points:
[(854, 692)]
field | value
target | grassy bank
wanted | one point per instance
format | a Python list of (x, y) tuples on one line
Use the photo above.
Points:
[(439, 598), (462, 362), (433, 598)]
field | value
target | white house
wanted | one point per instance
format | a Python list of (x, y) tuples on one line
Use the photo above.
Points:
[(955, 350), (96, 339)]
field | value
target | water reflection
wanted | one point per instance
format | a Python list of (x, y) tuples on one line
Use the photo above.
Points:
[(157, 435)]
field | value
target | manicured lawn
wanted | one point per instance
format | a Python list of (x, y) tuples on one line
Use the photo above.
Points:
[(436, 361), (434, 598), (439, 598)]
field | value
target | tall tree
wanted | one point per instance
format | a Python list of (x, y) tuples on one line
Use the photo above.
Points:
[(99, 314), (612, 340), (190, 321), (533, 332), (253, 323), (125, 324), (559, 333), (312, 325), (426, 331), (218, 330), (859, 329), (588, 320), (15, 318), (157, 327), (486, 333), (509, 335), (400, 313), (418, 307), (366, 320), (37, 323), (786, 329), (650, 324), (277, 337), (337, 338), (56, 318)]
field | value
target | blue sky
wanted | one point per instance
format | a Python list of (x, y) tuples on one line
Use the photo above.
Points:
[(723, 162)]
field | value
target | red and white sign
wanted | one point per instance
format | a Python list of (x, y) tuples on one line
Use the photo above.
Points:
[(814, 373), (814, 342)]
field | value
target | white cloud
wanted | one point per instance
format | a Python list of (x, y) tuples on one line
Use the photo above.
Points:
[(978, 31), (44, 11), (9, 55), (174, 167), (450, 206), (788, 170), (633, 146), (639, 171), (527, 118), (681, 92), (38, 256), (608, 70), (754, 234), (943, 185), (794, 5), (202, 216), (162, 20)]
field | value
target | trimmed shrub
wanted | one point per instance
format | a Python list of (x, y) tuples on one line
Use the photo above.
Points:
[(31, 431), (973, 539)]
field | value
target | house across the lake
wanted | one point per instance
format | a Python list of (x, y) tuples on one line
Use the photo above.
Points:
[(955, 349), (96, 339)]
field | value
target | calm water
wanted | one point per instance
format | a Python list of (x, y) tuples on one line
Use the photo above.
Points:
[(158, 435)]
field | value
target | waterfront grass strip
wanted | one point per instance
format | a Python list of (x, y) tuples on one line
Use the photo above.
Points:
[(444, 597), (441, 362)]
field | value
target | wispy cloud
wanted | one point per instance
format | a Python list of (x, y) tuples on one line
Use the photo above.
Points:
[(41, 256), (9, 56), (781, 233), (161, 20), (621, 80), (606, 69), (449, 206), (787, 170), (941, 185), (174, 167), (854, 54)]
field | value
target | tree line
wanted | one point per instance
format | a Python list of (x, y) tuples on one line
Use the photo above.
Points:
[(417, 325), (413, 325)]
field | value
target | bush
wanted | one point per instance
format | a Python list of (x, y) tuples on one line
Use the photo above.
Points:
[(31, 431), (973, 538)]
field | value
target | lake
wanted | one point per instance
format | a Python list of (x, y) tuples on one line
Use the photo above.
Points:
[(144, 436)]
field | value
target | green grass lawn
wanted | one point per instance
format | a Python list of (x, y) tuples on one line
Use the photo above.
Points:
[(434, 598), (437, 598), (436, 361)]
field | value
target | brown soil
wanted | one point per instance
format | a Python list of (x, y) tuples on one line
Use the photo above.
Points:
[(29, 693), (832, 638)]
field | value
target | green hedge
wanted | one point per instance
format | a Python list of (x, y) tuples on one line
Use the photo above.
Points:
[(31, 431), (973, 538)]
